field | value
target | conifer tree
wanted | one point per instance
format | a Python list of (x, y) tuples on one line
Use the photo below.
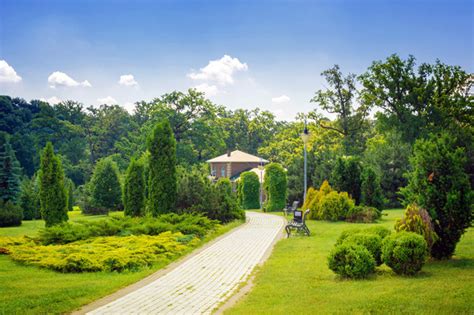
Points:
[(9, 171), (53, 196), (371, 193), (106, 191), (162, 188), (134, 189), (29, 200)]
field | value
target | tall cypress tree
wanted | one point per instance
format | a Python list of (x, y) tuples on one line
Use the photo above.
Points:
[(134, 189), (106, 190), (9, 171), (53, 196), (162, 190)]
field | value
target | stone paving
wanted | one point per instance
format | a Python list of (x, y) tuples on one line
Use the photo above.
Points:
[(200, 284)]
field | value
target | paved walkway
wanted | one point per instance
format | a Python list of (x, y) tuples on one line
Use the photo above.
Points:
[(200, 284)]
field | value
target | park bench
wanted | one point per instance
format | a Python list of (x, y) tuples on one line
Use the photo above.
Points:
[(298, 223), (288, 210)]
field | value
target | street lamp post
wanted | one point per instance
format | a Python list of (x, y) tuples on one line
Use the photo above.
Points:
[(305, 138), (260, 167)]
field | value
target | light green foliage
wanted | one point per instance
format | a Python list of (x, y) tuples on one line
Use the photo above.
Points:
[(162, 190), (275, 185), (53, 196), (313, 200), (134, 190), (350, 260), (372, 242), (371, 193), (405, 252), (335, 206), (9, 171), (417, 220), (378, 230), (105, 187), (439, 184), (115, 253), (10, 214), (249, 190), (29, 200)]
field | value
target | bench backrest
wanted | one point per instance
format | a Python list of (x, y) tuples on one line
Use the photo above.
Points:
[(298, 216)]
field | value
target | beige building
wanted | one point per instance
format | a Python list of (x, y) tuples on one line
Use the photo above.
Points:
[(232, 164)]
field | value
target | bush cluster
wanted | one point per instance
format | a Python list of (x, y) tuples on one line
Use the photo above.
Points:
[(404, 252), (115, 253), (189, 224), (417, 220), (10, 214), (363, 214)]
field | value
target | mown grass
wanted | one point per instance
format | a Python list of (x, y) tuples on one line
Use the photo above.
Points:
[(31, 290), (296, 280)]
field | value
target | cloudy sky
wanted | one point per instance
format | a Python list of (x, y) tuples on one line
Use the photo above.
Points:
[(241, 53)]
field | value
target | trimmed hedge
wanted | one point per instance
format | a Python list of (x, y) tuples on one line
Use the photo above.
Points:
[(249, 190), (405, 252), (376, 230), (350, 260), (372, 242), (275, 185)]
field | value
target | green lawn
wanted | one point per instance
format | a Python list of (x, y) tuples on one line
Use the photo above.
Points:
[(30, 290), (296, 280)]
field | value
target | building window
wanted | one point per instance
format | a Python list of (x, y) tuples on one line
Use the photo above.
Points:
[(213, 171), (223, 171)]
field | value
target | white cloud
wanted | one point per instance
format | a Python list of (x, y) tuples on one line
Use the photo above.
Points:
[(209, 90), (129, 106), (281, 99), (127, 80), (52, 100), (109, 100), (59, 78), (220, 71), (7, 73)]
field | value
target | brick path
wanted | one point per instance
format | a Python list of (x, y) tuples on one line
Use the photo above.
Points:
[(201, 283)]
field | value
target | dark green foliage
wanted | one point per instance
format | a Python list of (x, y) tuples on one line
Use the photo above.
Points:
[(371, 193), (363, 214), (249, 190), (134, 189), (439, 184), (228, 208), (195, 192), (350, 260), (9, 171), (70, 193), (275, 185), (29, 200), (346, 176), (372, 242), (405, 252), (162, 190), (53, 196), (417, 220), (197, 225), (10, 214), (105, 188)]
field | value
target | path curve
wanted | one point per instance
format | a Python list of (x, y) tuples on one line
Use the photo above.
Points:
[(201, 283)]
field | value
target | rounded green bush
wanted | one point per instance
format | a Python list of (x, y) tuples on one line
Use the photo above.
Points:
[(378, 230), (404, 252), (372, 242), (351, 260)]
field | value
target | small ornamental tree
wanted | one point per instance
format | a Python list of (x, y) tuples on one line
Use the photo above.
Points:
[(52, 193), (439, 184), (249, 190), (105, 186), (29, 200), (162, 190), (371, 193), (9, 171), (275, 185), (134, 189)]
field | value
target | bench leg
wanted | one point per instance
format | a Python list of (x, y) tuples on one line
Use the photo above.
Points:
[(288, 231)]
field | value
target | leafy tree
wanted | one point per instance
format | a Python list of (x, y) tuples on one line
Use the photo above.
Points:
[(134, 189), (162, 188), (346, 176), (275, 185), (371, 193), (9, 171), (52, 193), (195, 192), (439, 184), (249, 190), (228, 208), (105, 188), (338, 99), (29, 200)]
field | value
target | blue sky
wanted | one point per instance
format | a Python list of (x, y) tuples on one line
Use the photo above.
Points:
[(266, 53)]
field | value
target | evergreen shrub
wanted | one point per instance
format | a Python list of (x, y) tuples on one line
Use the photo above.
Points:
[(405, 252), (10, 214), (350, 260)]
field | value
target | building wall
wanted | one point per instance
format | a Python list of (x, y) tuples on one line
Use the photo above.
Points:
[(231, 169)]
